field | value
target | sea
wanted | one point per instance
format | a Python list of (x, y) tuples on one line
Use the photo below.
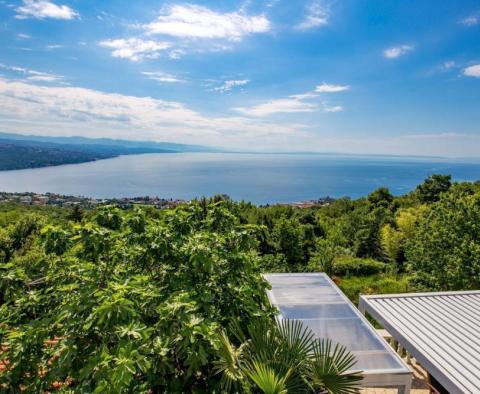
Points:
[(258, 178)]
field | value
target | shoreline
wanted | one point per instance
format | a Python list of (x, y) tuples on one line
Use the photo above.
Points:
[(60, 200)]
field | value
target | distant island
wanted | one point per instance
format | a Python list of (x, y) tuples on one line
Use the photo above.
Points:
[(28, 151)]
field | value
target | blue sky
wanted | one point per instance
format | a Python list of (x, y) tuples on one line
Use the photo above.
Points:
[(354, 76)]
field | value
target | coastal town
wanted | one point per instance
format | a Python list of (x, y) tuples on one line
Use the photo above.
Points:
[(61, 200)]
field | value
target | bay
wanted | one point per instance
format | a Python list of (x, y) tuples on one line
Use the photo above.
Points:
[(259, 178)]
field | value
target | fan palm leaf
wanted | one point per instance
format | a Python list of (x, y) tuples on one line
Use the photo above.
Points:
[(266, 379), (332, 369), (229, 362)]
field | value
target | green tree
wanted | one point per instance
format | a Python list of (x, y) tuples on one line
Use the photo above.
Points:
[(395, 236), (445, 251), (76, 214), (381, 196), (324, 258), (288, 238), (429, 191), (366, 240)]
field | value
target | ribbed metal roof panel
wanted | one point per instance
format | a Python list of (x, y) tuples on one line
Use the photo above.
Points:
[(441, 330)]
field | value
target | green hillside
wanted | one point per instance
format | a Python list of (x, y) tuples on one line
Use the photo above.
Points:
[(19, 154)]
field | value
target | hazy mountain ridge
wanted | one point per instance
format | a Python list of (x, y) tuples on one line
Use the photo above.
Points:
[(26, 151), (77, 140)]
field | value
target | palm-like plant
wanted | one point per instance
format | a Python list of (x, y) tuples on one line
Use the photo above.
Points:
[(267, 380), (229, 362), (285, 357), (330, 366)]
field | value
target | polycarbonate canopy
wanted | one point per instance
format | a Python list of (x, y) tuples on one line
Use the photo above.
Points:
[(316, 301)]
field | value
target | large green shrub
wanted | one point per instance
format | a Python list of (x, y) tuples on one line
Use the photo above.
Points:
[(124, 303)]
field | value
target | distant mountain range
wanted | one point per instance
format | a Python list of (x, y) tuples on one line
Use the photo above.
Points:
[(28, 151)]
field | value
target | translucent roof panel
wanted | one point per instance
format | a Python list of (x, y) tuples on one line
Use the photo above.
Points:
[(314, 299), (349, 332)]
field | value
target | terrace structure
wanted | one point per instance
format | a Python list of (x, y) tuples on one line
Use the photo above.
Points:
[(441, 330)]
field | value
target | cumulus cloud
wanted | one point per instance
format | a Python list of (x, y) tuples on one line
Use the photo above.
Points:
[(194, 21), (190, 28), (317, 16), (327, 88), (41, 9), (135, 49), (32, 75), (66, 110), (394, 52), (228, 85), (162, 77), (295, 103), (472, 71)]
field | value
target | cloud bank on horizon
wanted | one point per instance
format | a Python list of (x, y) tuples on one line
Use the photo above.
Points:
[(317, 75)]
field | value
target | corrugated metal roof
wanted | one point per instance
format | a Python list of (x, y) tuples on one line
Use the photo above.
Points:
[(441, 330), (316, 301)]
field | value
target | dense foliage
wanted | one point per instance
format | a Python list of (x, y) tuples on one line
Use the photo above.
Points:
[(125, 301), (146, 300), (445, 252)]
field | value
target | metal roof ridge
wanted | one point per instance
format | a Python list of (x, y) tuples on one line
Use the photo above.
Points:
[(425, 294)]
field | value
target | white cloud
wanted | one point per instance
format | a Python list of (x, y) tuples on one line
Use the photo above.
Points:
[(194, 21), (64, 110), (394, 52), (191, 28), (317, 15), (33, 75), (295, 103), (41, 9), (53, 46), (227, 86), (284, 105), (162, 77), (44, 77), (327, 88), (176, 54), (135, 49), (472, 71), (471, 20), (335, 108), (23, 36)]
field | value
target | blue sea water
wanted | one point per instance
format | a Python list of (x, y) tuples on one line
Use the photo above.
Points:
[(259, 178)]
